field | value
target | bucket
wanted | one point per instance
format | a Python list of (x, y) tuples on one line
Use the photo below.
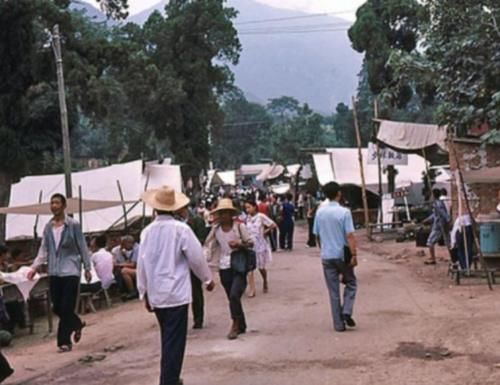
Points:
[(490, 238)]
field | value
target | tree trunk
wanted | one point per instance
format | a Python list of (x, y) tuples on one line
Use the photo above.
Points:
[(5, 182)]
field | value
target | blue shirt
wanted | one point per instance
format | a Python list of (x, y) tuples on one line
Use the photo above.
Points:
[(332, 224), (288, 212)]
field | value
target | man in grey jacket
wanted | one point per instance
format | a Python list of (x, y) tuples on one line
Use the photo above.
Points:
[(64, 249)]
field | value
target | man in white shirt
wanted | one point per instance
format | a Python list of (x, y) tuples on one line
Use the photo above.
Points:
[(168, 250), (102, 260)]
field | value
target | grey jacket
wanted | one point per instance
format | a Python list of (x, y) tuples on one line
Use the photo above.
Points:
[(67, 259)]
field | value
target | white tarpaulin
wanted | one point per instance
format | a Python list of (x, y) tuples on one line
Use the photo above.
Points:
[(158, 175), (342, 166), (227, 177), (411, 136), (72, 207), (253, 169), (98, 184), (271, 172), (323, 166), (387, 156), (280, 189)]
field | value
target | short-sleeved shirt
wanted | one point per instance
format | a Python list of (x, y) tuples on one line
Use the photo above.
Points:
[(288, 212), (332, 224), (124, 256)]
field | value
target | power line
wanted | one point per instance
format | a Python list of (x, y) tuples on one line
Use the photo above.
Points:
[(294, 32), (296, 27), (312, 15)]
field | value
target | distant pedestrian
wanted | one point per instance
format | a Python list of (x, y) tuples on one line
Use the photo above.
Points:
[(65, 250), (228, 235), (287, 223), (259, 226), (334, 229), (440, 220), (310, 205), (168, 250)]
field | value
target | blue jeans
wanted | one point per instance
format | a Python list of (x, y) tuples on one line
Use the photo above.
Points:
[(332, 268)]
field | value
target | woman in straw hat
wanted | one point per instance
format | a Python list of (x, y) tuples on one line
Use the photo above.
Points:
[(168, 250), (226, 236)]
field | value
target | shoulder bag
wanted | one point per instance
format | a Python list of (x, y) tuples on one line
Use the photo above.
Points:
[(243, 260)]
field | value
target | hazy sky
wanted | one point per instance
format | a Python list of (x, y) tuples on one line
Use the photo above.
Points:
[(311, 6)]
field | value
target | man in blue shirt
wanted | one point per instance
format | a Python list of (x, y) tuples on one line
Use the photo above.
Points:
[(334, 229), (287, 223)]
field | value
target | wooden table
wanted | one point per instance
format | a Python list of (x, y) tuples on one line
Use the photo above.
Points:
[(40, 292)]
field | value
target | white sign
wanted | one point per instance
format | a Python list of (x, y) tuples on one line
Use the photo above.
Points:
[(388, 157)]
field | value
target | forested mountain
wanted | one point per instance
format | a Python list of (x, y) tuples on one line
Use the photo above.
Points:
[(317, 68)]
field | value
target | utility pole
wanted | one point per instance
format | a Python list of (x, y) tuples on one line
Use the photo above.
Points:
[(56, 45)]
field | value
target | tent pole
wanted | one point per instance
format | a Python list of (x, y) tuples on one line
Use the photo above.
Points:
[(144, 204), (123, 216), (123, 204), (80, 209), (469, 211), (361, 169), (35, 233), (379, 166)]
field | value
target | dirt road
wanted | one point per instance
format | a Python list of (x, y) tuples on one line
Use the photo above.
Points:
[(410, 331)]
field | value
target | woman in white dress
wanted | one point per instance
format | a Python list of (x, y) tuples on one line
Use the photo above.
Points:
[(259, 226)]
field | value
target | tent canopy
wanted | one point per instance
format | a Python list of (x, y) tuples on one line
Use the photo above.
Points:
[(253, 169), (411, 137), (73, 206), (271, 172), (342, 166)]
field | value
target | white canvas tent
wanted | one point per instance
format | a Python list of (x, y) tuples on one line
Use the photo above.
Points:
[(98, 185), (346, 170), (272, 171)]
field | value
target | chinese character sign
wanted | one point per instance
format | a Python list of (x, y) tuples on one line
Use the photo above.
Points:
[(387, 156)]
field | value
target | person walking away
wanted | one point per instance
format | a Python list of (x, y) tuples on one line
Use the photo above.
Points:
[(226, 236), (259, 226), (310, 206), (300, 206), (197, 224), (287, 223), (334, 229), (440, 220), (168, 250), (273, 214), (64, 248)]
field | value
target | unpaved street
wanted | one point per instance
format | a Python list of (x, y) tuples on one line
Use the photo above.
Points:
[(410, 331)]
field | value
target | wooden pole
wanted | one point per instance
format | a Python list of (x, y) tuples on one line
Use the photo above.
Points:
[(379, 166), (35, 234), (143, 204), (64, 111), (361, 169), (469, 211), (80, 208), (123, 205)]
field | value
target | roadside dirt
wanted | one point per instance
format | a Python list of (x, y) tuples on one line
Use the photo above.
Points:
[(414, 327)]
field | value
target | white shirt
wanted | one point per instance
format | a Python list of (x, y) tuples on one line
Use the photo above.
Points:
[(57, 233), (223, 238), (102, 260), (167, 251)]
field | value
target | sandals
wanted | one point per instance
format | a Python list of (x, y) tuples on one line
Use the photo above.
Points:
[(78, 333)]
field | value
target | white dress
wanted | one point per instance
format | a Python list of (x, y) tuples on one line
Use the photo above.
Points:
[(256, 225)]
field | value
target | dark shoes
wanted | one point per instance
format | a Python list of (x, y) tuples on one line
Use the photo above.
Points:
[(198, 326), (78, 333), (130, 296), (65, 348), (349, 321), (8, 372)]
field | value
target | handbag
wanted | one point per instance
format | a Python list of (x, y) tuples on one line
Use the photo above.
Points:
[(243, 260)]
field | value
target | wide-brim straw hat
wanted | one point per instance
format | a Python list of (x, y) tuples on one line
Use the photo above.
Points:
[(165, 199), (224, 204)]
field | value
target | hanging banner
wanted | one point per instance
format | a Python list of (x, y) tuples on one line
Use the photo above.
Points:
[(388, 157)]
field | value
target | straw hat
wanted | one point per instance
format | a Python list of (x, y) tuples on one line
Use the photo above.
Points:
[(224, 204), (165, 199)]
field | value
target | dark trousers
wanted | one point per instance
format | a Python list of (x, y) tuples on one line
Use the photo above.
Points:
[(63, 292), (235, 284), (273, 239), (198, 300), (286, 235), (5, 369), (311, 241), (173, 328), (332, 269), (117, 273)]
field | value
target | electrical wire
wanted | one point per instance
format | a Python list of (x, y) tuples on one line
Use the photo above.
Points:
[(279, 19)]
